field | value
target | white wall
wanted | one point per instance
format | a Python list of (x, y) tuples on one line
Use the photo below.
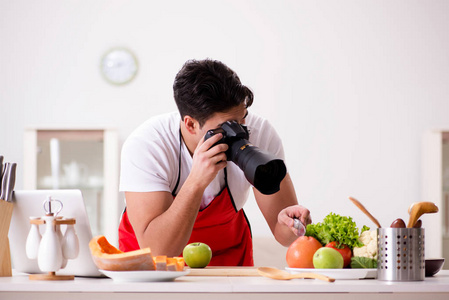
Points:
[(351, 86)]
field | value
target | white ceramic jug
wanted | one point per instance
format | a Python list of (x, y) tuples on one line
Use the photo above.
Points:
[(33, 240), (61, 239), (70, 243), (50, 254), (74, 173)]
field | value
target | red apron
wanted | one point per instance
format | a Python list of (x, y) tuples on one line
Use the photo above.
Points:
[(219, 225)]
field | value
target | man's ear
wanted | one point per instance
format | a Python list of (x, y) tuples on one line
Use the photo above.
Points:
[(191, 124)]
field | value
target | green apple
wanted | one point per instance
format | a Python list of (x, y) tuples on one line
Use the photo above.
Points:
[(197, 255), (327, 258)]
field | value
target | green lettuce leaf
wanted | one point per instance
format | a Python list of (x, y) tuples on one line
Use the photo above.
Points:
[(360, 262), (337, 228)]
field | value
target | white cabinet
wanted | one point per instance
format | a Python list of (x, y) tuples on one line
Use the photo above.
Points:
[(74, 158), (435, 188)]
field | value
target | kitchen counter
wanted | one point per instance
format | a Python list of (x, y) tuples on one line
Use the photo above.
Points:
[(223, 287)]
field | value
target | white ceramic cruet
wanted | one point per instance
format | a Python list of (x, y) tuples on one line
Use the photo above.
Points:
[(70, 243), (33, 240), (49, 258)]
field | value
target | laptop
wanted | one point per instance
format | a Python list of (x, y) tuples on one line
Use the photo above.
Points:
[(29, 203)]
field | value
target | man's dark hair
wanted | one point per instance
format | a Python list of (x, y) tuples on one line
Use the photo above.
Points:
[(205, 87)]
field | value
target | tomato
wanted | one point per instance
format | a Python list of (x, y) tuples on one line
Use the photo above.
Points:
[(301, 251), (344, 250)]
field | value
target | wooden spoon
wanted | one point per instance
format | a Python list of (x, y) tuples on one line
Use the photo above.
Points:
[(365, 211), (284, 275), (417, 209)]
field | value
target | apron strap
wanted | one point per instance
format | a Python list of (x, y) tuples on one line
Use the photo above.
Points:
[(179, 164)]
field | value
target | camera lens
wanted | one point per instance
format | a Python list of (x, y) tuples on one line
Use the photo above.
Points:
[(261, 169), (268, 177)]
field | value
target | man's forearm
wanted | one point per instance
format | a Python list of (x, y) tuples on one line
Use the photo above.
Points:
[(168, 233), (284, 235)]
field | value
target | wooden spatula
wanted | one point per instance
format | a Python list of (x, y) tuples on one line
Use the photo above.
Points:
[(416, 210), (284, 275), (365, 211)]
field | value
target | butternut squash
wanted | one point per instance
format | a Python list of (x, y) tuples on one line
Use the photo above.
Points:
[(179, 263), (107, 257), (160, 262), (171, 264)]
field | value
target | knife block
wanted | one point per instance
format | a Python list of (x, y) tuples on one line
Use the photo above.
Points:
[(5, 255)]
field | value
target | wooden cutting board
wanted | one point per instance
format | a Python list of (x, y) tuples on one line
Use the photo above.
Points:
[(223, 271)]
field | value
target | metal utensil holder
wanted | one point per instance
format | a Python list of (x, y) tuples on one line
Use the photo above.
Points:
[(400, 253)]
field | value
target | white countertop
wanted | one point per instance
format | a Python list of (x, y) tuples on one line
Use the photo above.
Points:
[(19, 284)]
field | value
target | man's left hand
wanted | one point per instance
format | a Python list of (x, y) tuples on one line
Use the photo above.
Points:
[(288, 214)]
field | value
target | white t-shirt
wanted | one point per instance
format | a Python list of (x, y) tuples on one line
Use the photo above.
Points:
[(150, 158)]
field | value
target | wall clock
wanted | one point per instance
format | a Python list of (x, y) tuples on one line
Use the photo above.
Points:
[(119, 66)]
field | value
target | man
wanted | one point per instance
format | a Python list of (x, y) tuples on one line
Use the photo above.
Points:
[(180, 188)]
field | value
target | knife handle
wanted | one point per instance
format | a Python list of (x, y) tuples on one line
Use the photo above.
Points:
[(8, 181), (3, 185), (301, 229), (1, 172)]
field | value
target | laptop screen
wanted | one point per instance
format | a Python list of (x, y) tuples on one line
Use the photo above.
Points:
[(30, 203)]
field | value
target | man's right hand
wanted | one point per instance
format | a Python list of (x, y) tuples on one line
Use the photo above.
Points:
[(208, 160)]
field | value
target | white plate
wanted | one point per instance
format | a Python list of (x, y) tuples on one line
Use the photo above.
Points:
[(141, 276), (339, 273)]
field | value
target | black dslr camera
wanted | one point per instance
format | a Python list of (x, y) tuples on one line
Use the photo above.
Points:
[(264, 171)]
